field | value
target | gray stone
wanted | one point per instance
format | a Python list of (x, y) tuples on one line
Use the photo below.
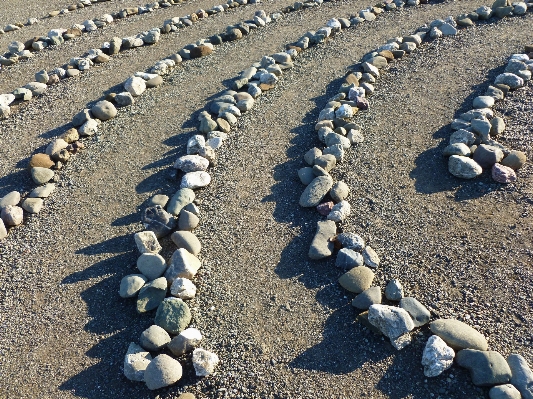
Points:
[(316, 191), (348, 258), (327, 162), (522, 376), (457, 149), (497, 126), (458, 335), (393, 322), (487, 368), (12, 198), (334, 138), (448, 30), (357, 279), (306, 175), (183, 264), (187, 220), (32, 205), (204, 362), (151, 265), (318, 171), (437, 356), (42, 191), (463, 167), (41, 76), (481, 126), (131, 284), (173, 315), (495, 93), (192, 208), (162, 372), (135, 362), (463, 136), (185, 342), (104, 110), (81, 117), (506, 391), (510, 79), (339, 191), (159, 199), (89, 128), (41, 175), (486, 155), (124, 99), (351, 241), (370, 257), (367, 298), (151, 295), (156, 219), (418, 312), (154, 338), (322, 246), (36, 88), (146, 242), (394, 290), (179, 200), (483, 102), (191, 163), (188, 241), (459, 124)]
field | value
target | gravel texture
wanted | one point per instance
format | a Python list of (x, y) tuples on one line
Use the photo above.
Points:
[(280, 323)]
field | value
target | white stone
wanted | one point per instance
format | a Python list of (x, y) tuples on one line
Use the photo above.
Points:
[(204, 362), (393, 322), (89, 25), (370, 257), (183, 288), (147, 242), (89, 128), (6, 99), (437, 356), (340, 211), (186, 341), (191, 163), (145, 76), (135, 362), (135, 86), (344, 111), (5, 111), (195, 144), (195, 180)]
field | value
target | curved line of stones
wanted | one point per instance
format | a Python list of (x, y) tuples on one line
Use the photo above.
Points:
[(98, 56), (173, 314), (338, 132)]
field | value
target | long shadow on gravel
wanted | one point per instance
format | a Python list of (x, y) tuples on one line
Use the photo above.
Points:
[(431, 171)]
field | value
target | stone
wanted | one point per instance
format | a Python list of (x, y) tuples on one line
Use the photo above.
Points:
[(156, 81), (503, 174), (340, 211), (458, 335), (325, 208), (173, 315), (41, 161), (131, 284), (41, 175), (12, 215), (463, 167), (481, 127), (151, 295), (185, 342), (201, 51), (339, 192), (322, 245), (486, 155), (506, 391), (522, 376), (3, 230), (154, 338), (12, 198), (191, 163), (326, 161), (348, 258), (151, 265), (158, 199), (487, 368), (135, 86), (124, 99), (42, 191), (419, 313), (55, 146), (6, 99), (394, 290), (463, 136), (351, 241), (146, 242), (333, 138), (367, 298), (188, 241), (187, 221), (152, 36), (81, 117), (495, 93), (89, 128), (179, 200), (306, 175), (162, 371), (197, 142), (204, 362), (183, 288), (497, 126), (194, 180), (509, 79), (514, 160), (370, 257), (357, 279), (456, 149), (36, 88), (183, 264), (437, 357), (156, 219), (393, 322), (316, 191), (483, 102), (135, 362), (22, 94), (32, 205), (501, 12), (71, 136)]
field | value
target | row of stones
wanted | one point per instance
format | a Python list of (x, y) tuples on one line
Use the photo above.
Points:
[(472, 146), (43, 78), (338, 132)]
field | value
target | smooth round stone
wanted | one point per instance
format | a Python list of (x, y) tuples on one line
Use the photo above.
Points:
[(12, 198), (159, 199), (357, 279), (503, 174), (515, 160), (130, 285), (507, 391), (316, 191), (32, 205), (339, 191), (458, 335), (185, 342), (162, 372), (367, 298), (497, 126), (194, 180), (394, 290), (104, 110), (43, 191), (173, 315), (348, 258), (12, 215), (41, 161), (456, 149), (483, 102), (154, 338), (151, 295), (418, 312), (487, 368), (188, 241), (191, 163), (370, 257), (463, 167), (187, 220), (306, 175), (151, 265), (486, 155), (179, 200), (183, 288)]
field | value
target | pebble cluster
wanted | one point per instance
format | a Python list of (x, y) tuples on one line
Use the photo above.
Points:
[(452, 339)]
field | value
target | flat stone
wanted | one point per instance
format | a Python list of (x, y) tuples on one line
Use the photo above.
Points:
[(41, 175), (173, 315), (463, 167), (154, 338), (183, 264), (506, 391), (146, 242), (487, 368), (151, 295), (522, 376), (151, 265), (483, 102), (187, 220), (419, 313), (348, 258), (458, 335), (183, 288), (179, 200), (437, 356), (162, 372), (316, 191), (32, 205), (36, 88), (188, 241), (367, 298), (322, 246), (357, 279), (185, 342), (12, 215), (12, 198), (135, 362), (131, 284)]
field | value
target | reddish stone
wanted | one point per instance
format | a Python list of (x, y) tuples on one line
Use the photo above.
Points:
[(325, 208), (503, 174)]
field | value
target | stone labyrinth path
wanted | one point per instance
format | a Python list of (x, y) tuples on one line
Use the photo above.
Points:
[(279, 322)]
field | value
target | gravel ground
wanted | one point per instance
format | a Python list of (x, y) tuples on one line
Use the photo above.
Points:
[(281, 325)]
